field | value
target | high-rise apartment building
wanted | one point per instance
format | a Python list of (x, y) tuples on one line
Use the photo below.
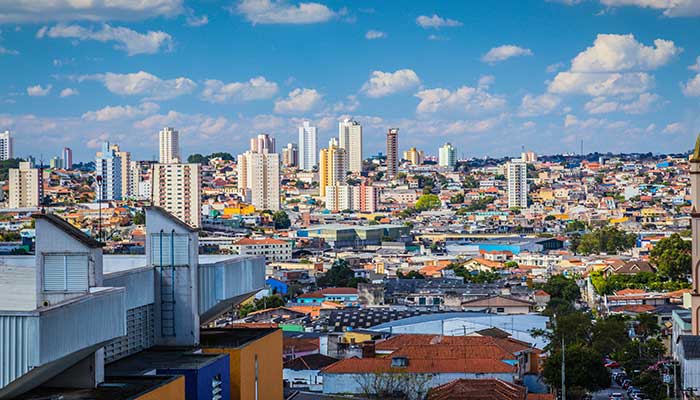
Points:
[(516, 175), (392, 152), (446, 156), (414, 156), (528, 156), (126, 175), (259, 179), (332, 167), (362, 198), (169, 140), (177, 189), (67, 158), (26, 186), (108, 173), (263, 143), (308, 146), (350, 139), (56, 163), (290, 155), (5, 145)]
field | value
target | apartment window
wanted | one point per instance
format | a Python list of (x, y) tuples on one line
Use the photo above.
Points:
[(65, 272)]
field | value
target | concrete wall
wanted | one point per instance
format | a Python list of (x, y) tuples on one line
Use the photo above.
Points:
[(229, 278), (139, 284)]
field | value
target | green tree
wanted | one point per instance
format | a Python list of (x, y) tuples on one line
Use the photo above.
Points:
[(222, 155), (646, 326), (197, 159), (5, 166), (607, 239), (264, 303), (339, 275), (428, 202), (584, 370), (575, 226), (281, 220), (139, 218), (457, 199), (610, 335), (672, 257)]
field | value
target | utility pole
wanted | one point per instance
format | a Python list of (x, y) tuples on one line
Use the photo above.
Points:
[(563, 370)]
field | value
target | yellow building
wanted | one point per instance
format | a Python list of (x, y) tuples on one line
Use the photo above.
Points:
[(171, 390), (239, 209), (256, 360), (416, 157), (332, 167)]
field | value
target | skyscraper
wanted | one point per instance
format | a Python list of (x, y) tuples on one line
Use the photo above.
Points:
[(263, 143), (392, 152), (126, 174), (516, 175), (108, 166), (263, 176), (447, 157), (169, 146), (414, 156), (308, 147), (176, 188), (290, 155), (350, 137), (26, 186), (67, 157), (332, 167), (5, 146)]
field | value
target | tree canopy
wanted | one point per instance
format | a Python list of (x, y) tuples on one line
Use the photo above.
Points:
[(428, 202), (281, 220), (607, 239), (672, 257), (339, 275)]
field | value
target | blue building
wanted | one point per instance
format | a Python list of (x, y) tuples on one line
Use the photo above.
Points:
[(277, 286)]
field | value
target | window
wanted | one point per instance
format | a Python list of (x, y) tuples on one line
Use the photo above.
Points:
[(65, 272), (216, 388), (500, 310)]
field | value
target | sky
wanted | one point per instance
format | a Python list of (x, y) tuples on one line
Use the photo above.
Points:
[(490, 77)]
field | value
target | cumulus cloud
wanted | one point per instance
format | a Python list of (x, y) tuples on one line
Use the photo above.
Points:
[(127, 40), (670, 8), (143, 84), (485, 81), (18, 11), (6, 51), (465, 99), (382, 84), (603, 105), (502, 53), (674, 127), (544, 104), (552, 68), (67, 92), (38, 90), (436, 22), (257, 88), (372, 34), (695, 67), (601, 84), (350, 104), (298, 101), (110, 113), (617, 53), (283, 12), (692, 86), (201, 125)]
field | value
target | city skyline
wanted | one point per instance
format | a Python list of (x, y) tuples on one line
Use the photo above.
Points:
[(622, 79)]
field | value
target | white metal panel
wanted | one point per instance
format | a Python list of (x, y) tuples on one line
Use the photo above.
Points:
[(65, 272), (180, 244), (54, 273), (76, 273), (19, 346)]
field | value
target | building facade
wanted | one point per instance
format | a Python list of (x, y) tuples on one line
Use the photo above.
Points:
[(259, 179), (5, 145), (308, 146), (332, 168), (414, 156), (108, 167), (516, 176), (67, 158), (447, 156), (271, 249), (350, 139), (263, 143), (26, 186), (290, 155), (392, 152), (177, 189), (169, 140)]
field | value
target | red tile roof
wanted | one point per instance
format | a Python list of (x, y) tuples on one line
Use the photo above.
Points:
[(249, 241), (478, 389)]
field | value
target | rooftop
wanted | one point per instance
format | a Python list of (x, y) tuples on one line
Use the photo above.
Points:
[(114, 388), (144, 362), (232, 337)]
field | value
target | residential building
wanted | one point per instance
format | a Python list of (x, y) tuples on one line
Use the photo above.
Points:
[(126, 175), (498, 305), (271, 249), (169, 146), (259, 179), (308, 147), (108, 169), (263, 143), (332, 167), (447, 156), (414, 156), (392, 152), (26, 186), (516, 176), (528, 157), (177, 189), (350, 139), (362, 198), (6, 145), (55, 163), (290, 155), (67, 158)]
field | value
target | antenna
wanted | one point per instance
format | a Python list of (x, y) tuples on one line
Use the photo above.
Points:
[(581, 146)]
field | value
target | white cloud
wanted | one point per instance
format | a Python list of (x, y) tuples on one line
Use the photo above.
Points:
[(502, 53), (671, 8), (257, 88), (127, 40), (465, 99), (199, 126), (67, 92), (617, 53), (601, 105), (675, 127), (692, 86), (282, 12), (485, 81), (38, 90), (382, 84), (601, 84), (544, 104), (110, 113), (350, 104), (552, 68), (298, 101), (372, 34), (478, 126), (144, 84), (436, 22), (695, 67), (6, 51), (17, 11), (433, 36)]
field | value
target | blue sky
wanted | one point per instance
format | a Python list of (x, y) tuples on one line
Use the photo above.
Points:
[(621, 75)]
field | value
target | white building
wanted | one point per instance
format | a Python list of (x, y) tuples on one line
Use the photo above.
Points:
[(176, 188), (350, 138), (5, 145), (516, 175), (271, 249), (169, 146), (67, 158), (108, 167), (290, 155), (308, 146), (361, 198), (259, 176), (26, 186), (447, 157)]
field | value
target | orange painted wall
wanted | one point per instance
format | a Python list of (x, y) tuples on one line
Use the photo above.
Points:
[(173, 390), (269, 352)]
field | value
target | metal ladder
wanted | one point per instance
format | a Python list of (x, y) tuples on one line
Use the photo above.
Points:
[(167, 290)]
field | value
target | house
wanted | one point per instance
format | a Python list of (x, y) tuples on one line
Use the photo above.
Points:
[(498, 305), (634, 267), (541, 298), (346, 296), (272, 249), (305, 371), (484, 389)]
